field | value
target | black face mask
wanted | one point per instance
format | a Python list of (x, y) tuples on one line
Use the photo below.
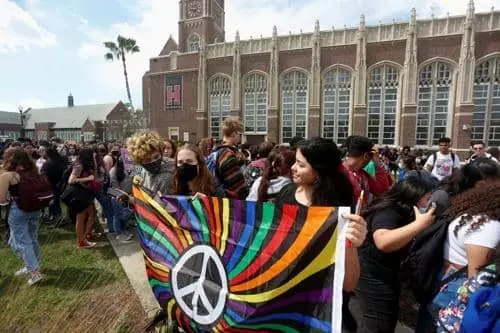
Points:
[(102, 151), (115, 153), (187, 172), (153, 167)]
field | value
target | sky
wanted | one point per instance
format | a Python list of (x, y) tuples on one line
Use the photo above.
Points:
[(50, 48)]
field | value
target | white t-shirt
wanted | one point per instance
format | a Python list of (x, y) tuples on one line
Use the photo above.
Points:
[(487, 235), (444, 165)]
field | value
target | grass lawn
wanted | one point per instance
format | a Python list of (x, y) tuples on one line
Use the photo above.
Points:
[(83, 290)]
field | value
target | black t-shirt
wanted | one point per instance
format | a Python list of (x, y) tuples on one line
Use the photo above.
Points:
[(287, 196), (376, 264)]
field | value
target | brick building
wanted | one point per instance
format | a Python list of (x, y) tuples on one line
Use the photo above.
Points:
[(81, 123), (10, 125), (399, 84)]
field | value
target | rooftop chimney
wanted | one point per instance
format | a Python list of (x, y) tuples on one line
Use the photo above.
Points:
[(71, 101)]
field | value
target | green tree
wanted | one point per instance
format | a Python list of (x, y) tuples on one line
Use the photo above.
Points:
[(118, 51)]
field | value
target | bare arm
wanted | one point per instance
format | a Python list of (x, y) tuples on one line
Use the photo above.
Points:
[(477, 256), (395, 239), (352, 269), (5, 181), (73, 179), (356, 235)]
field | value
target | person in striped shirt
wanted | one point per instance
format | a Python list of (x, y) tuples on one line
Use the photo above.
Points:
[(229, 168)]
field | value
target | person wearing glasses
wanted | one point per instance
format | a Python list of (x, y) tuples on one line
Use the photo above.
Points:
[(442, 163), (479, 151)]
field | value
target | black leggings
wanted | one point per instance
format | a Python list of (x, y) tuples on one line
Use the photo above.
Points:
[(379, 303)]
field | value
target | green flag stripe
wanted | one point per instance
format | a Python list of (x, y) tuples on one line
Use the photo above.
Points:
[(203, 220), (158, 236), (252, 250), (277, 327), (155, 282)]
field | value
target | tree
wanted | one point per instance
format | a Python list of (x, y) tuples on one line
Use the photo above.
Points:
[(118, 51)]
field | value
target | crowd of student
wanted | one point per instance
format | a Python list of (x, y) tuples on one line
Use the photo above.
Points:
[(396, 189)]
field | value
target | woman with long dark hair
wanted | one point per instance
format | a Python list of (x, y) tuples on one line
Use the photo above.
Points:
[(84, 174), (102, 176), (320, 180), (277, 174), (23, 225), (191, 175), (121, 188), (394, 219), (54, 169)]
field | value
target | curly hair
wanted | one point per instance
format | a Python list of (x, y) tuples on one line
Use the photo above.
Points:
[(144, 144), (480, 201), (204, 181)]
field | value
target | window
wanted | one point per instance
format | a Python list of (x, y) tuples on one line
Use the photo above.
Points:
[(220, 101), (294, 105), (193, 43), (336, 105), (382, 104), (433, 100), (486, 118), (255, 106)]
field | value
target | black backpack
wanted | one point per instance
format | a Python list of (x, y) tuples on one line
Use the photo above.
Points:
[(425, 260), (61, 186), (434, 155)]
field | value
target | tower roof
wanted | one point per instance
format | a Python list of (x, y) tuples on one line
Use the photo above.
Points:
[(170, 45)]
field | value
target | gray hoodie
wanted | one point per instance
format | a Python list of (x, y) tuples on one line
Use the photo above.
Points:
[(160, 182), (275, 186)]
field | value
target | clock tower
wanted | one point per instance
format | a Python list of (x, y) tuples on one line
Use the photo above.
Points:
[(200, 20)]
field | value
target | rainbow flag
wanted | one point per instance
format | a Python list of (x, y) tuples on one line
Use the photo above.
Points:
[(220, 265)]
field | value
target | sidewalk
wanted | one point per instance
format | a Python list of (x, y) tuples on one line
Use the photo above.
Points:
[(130, 256)]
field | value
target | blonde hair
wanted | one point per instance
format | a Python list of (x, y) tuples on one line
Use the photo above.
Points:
[(231, 125), (144, 144)]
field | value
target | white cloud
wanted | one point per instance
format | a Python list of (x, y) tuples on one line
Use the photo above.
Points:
[(158, 19), (26, 102), (20, 30)]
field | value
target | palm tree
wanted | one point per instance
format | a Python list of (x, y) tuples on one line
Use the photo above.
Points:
[(117, 51)]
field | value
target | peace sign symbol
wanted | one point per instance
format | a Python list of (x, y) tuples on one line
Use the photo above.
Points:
[(199, 284)]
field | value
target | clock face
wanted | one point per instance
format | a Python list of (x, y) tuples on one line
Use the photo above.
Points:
[(193, 8)]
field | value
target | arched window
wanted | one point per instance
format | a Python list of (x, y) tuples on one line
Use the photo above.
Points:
[(382, 104), (486, 118), (255, 107), (336, 104), (220, 102), (294, 105), (193, 43), (433, 100)]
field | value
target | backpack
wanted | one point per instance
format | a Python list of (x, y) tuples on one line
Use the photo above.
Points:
[(212, 165), (462, 309), (35, 192), (434, 155), (425, 260), (251, 173), (61, 186), (483, 311)]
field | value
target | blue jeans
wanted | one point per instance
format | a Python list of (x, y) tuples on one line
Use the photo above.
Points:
[(105, 202), (55, 206), (119, 222), (24, 236)]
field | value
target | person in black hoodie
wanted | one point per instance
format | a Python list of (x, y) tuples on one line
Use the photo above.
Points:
[(54, 169)]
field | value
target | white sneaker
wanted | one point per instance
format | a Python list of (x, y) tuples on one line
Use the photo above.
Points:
[(124, 238), (36, 277), (22, 271)]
